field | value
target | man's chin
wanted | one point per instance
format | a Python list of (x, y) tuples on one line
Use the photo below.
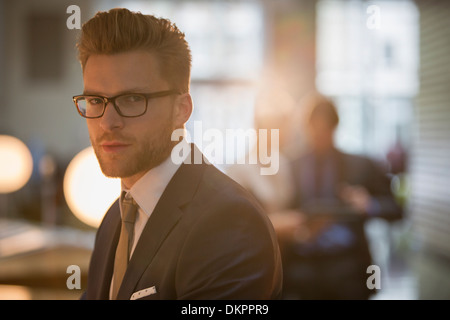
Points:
[(122, 171), (113, 174), (114, 169)]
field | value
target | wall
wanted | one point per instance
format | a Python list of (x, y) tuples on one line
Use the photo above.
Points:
[(37, 95), (430, 158)]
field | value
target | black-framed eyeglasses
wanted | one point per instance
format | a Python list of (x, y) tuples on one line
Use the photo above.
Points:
[(127, 105)]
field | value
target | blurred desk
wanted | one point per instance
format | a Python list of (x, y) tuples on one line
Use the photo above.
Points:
[(34, 259)]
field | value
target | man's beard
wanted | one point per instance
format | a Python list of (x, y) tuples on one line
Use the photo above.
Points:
[(149, 154)]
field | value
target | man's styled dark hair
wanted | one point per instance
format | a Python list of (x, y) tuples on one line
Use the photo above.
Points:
[(120, 30)]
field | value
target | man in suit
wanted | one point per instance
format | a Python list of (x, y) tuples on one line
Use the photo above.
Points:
[(181, 229), (327, 256)]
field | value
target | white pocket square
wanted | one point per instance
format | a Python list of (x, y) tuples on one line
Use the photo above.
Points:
[(143, 293)]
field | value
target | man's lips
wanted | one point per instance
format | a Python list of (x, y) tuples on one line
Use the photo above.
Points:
[(114, 146)]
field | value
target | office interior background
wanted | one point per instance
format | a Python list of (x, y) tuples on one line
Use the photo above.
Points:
[(384, 63)]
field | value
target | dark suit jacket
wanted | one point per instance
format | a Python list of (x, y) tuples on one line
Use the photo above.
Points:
[(347, 264), (207, 238), (352, 170)]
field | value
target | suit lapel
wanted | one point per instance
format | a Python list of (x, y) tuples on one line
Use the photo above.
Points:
[(103, 258), (165, 216)]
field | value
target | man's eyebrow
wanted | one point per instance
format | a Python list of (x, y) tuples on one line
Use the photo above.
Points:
[(132, 90), (90, 93)]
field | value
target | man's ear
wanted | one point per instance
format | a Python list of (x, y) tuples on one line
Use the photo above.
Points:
[(182, 109)]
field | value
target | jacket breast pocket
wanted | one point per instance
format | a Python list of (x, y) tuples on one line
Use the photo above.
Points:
[(147, 293)]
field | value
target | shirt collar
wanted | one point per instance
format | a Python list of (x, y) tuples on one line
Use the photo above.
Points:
[(149, 188)]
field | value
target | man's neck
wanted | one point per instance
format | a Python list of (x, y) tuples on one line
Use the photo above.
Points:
[(128, 182)]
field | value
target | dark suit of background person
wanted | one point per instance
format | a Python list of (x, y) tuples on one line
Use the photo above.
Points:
[(336, 192), (207, 238)]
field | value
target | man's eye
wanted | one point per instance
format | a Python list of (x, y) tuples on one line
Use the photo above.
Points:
[(133, 98), (95, 101)]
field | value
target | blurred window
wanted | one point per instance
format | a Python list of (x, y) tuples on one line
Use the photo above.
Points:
[(367, 62)]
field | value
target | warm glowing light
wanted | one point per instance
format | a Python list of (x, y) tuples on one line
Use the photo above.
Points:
[(16, 164), (12, 292), (88, 193)]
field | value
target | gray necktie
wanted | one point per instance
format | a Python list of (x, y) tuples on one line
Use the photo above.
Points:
[(125, 244)]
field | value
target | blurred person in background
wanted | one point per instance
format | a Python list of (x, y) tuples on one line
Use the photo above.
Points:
[(273, 111), (325, 251)]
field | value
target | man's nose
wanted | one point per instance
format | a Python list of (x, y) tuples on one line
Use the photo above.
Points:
[(111, 119)]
